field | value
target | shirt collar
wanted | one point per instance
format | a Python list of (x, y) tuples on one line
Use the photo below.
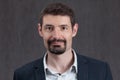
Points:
[(74, 65), (75, 60)]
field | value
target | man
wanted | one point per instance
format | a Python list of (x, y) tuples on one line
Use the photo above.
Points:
[(57, 27)]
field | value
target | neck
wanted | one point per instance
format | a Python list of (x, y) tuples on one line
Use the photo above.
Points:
[(60, 63)]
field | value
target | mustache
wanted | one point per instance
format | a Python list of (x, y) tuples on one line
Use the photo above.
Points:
[(56, 40)]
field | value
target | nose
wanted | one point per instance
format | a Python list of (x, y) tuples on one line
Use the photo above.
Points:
[(56, 33)]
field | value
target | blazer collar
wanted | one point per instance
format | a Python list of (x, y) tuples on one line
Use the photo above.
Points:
[(82, 68), (82, 64), (39, 70)]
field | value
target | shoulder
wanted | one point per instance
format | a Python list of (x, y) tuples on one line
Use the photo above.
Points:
[(93, 63), (29, 67), (99, 69), (88, 59)]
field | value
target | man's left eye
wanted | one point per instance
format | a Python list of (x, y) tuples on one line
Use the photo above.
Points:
[(64, 28)]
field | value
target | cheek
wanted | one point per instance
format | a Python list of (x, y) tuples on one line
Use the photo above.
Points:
[(69, 39), (45, 39), (69, 36), (45, 42)]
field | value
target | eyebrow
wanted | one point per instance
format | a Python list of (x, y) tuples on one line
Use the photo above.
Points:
[(48, 25), (53, 25), (63, 25)]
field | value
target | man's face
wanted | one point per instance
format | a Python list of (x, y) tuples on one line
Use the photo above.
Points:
[(57, 33)]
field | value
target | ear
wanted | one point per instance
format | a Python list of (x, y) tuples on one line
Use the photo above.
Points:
[(75, 29), (40, 29)]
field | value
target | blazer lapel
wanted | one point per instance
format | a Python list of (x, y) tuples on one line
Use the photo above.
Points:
[(82, 68), (39, 70)]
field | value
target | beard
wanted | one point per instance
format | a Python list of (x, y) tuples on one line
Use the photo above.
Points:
[(56, 49)]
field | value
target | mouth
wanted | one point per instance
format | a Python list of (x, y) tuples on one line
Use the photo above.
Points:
[(57, 43)]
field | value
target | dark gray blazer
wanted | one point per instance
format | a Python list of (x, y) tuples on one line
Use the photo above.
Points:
[(88, 69)]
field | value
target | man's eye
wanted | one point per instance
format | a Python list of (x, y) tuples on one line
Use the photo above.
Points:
[(64, 28), (48, 28)]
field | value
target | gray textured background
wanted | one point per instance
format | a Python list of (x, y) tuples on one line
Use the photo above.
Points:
[(98, 36)]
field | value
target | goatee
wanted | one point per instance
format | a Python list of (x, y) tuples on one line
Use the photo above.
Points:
[(56, 49)]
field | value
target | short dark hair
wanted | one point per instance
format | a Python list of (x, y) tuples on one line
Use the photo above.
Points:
[(58, 9)]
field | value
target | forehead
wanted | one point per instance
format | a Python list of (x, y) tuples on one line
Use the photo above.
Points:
[(56, 20)]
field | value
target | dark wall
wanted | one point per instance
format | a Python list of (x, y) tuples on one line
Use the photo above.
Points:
[(98, 36)]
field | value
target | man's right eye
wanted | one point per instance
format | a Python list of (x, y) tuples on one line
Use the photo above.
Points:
[(48, 28)]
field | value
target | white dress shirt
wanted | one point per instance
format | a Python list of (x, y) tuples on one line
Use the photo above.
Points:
[(70, 74)]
